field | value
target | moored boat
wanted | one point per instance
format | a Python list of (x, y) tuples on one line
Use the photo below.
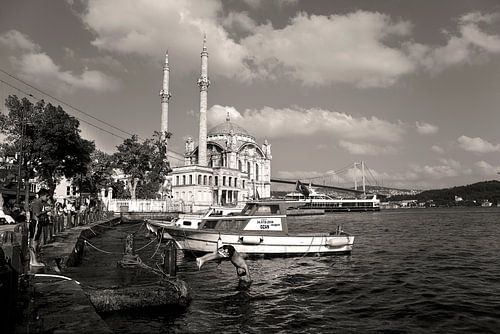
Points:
[(260, 229), (188, 221), (319, 201)]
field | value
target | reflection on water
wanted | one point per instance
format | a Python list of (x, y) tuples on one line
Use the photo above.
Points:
[(410, 271)]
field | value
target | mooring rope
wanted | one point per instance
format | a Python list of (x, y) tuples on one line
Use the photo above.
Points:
[(149, 243), (97, 248), (308, 248), (156, 250)]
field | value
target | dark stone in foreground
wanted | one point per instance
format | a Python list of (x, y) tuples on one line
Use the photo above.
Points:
[(159, 294), (63, 307)]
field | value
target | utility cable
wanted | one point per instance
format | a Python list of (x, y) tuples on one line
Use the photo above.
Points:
[(65, 103)]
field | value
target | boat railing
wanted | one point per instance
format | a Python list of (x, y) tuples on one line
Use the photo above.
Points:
[(243, 217)]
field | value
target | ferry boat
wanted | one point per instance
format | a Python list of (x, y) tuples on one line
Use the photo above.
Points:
[(315, 200), (259, 230)]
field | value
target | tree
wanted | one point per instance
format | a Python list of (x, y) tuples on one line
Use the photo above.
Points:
[(52, 141), (132, 159), (97, 175), (144, 164)]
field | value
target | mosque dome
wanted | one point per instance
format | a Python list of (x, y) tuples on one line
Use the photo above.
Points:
[(226, 128)]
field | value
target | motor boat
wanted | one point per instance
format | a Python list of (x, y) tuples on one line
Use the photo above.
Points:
[(259, 230)]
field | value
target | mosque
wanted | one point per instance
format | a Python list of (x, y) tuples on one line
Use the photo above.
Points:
[(227, 166)]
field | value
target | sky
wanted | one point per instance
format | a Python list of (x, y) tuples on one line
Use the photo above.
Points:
[(409, 87)]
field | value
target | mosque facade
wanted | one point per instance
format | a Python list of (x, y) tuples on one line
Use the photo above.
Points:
[(227, 167)]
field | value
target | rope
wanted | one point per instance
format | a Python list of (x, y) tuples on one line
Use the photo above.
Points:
[(140, 227), (308, 248), (98, 249), (156, 250), (149, 243)]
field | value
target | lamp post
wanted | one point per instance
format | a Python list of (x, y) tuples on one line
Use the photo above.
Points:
[(20, 160)]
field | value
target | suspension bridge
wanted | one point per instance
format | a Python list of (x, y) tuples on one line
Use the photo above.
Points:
[(353, 178)]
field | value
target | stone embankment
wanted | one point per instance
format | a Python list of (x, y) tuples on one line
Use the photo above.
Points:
[(59, 305)]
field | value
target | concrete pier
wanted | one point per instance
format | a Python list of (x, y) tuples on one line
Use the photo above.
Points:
[(63, 306)]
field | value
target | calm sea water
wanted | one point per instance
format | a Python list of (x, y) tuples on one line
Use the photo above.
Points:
[(415, 271)]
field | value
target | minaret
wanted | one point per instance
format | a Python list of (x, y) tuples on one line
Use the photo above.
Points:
[(203, 83), (165, 97)]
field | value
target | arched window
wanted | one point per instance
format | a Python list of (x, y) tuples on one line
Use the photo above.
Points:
[(190, 179), (223, 180), (205, 180), (256, 172), (177, 180), (199, 179), (216, 180), (229, 182), (183, 180), (236, 182), (243, 184), (240, 166), (210, 180), (248, 167)]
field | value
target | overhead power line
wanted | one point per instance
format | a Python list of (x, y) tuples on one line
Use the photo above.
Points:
[(79, 119), (65, 103)]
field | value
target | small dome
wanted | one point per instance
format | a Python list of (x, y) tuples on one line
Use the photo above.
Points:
[(226, 127)]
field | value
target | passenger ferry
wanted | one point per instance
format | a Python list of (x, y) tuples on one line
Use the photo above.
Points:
[(316, 200)]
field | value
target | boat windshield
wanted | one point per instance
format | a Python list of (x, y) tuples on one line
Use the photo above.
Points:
[(260, 209)]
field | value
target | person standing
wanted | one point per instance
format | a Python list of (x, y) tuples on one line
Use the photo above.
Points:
[(38, 220)]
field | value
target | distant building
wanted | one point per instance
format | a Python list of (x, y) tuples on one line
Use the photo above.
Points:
[(227, 166)]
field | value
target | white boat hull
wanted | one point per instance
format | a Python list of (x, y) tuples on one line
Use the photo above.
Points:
[(263, 245)]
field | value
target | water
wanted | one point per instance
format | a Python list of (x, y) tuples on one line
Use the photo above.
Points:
[(415, 271)]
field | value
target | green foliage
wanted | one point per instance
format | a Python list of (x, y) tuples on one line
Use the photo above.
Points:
[(52, 144), (97, 175), (119, 190), (145, 164)]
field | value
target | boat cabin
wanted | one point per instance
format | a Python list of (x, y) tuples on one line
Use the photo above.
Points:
[(267, 217)]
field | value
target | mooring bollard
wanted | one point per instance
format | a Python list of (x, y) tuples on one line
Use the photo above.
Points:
[(129, 245), (170, 258)]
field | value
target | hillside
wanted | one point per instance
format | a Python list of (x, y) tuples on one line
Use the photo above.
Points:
[(472, 194)]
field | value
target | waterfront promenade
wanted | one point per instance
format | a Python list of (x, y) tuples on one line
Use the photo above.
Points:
[(55, 304)]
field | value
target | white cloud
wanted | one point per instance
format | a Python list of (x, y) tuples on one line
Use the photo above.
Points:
[(447, 168), (239, 20), (319, 50), (39, 68), (149, 27), (485, 168), (365, 49), (437, 149), (468, 46), (426, 128), (366, 149), (477, 145), (278, 123), (16, 40)]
